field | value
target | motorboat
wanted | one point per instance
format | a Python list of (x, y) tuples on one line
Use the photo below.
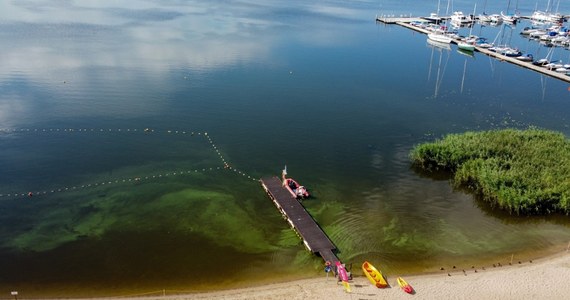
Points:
[(297, 191), (434, 18), (459, 18)]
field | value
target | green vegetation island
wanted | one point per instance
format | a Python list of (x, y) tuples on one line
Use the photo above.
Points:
[(523, 171)]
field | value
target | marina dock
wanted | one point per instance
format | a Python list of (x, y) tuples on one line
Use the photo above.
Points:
[(406, 22), (314, 238)]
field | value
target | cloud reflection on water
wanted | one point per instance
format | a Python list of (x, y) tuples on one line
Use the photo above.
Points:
[(49, 42)]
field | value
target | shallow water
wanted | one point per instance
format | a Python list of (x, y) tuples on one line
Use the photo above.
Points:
[(318, 87)]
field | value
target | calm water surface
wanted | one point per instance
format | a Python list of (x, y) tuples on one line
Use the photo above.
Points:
[(319, 87)]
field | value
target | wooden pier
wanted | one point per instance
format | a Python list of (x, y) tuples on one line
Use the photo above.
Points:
[(314, 238), (391, 19), (405, 22)]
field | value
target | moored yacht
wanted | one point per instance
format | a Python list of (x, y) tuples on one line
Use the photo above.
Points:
[(439, 37), (541, 16), (459, 18)]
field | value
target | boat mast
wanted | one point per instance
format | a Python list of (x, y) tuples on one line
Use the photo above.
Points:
[(437, 79), (472, 20), (430, 62), (463, 78)]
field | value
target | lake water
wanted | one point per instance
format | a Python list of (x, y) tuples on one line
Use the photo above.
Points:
[(119, 117)]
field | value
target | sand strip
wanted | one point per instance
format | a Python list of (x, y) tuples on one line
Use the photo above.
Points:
[(547, 278)]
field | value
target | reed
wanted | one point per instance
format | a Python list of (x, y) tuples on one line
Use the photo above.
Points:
[(522, 171)]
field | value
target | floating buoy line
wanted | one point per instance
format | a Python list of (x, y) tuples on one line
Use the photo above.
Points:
[(137, 179)]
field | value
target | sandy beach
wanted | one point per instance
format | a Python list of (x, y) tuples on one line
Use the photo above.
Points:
[(545, 278)]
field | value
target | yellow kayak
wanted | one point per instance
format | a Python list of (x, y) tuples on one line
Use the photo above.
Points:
[(374, 275), (405, 286)]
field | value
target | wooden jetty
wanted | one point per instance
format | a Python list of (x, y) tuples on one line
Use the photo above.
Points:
[(314, 238), (405, 22), (392, 19)]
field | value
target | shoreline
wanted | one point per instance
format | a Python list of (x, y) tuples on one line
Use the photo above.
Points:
[(544, 278)]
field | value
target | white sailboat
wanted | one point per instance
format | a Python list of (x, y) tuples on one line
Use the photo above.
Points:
[(510, 18), (484, 17), (440, 71), (439, 37), (547, 16)]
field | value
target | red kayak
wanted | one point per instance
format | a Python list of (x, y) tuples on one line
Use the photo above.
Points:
[(405, 286)]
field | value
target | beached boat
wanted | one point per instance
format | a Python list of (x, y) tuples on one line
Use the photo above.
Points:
[(297, 191), (374, 275), (342, 276), (405, 286)]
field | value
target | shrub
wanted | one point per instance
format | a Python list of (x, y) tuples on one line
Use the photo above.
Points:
[(523, 171)]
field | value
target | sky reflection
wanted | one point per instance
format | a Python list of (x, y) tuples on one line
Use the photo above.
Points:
[(48, 43)]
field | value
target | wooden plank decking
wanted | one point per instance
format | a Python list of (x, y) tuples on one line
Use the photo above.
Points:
[(314, 238)]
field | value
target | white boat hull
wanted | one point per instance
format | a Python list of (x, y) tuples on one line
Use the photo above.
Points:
[(439, 38)]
